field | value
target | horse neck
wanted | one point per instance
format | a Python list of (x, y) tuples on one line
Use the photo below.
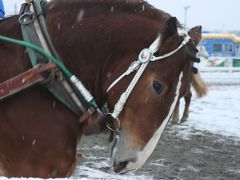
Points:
[(85, 64), (97, 64)]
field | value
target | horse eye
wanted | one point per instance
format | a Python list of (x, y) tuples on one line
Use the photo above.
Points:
[(157, 87)]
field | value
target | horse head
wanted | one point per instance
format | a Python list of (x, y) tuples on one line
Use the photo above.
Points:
[(151, 103)]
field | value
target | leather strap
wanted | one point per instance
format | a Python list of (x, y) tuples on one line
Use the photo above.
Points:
[(60, 87), (25, 80)]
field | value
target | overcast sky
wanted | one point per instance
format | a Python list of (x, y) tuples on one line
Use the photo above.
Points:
[(220, 15)]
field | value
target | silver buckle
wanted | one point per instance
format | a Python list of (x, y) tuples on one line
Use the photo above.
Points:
[(145, 56)]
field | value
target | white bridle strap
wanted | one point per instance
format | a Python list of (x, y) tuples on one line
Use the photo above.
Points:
[(121, 102), (135, 65), (186, 39), (140, 65)]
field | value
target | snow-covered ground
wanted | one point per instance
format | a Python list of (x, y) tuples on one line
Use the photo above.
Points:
[(218, 112)]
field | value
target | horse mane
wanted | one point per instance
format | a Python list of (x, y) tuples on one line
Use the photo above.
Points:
[(138, 7)]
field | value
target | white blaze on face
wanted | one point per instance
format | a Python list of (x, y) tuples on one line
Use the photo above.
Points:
[(150, 146)]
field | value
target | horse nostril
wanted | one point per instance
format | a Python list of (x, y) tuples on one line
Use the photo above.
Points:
[(120, 166)]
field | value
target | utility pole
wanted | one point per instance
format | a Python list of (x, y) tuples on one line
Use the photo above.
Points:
[(185, 15), (15, 8)]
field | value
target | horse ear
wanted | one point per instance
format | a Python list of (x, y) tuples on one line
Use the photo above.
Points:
[(196, 34), (170, 28)]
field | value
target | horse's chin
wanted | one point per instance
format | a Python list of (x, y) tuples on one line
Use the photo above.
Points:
[(127, 156), (123, 167), (130, 166)]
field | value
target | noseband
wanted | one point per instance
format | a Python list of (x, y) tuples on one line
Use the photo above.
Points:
[(144, 58)]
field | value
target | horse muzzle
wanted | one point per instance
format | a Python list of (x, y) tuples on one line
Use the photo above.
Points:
[(125, 155)]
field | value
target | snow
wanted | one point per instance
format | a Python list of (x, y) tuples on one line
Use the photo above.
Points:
[(218, 112), (80, 15), (97, 174)]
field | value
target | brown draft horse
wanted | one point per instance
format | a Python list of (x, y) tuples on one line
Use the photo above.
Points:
[(97, 41), (197, 83)]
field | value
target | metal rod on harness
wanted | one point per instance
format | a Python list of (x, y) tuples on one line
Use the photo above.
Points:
[(37, 5)]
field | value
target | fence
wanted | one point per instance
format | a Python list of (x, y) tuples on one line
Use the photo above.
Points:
[(221, 75)]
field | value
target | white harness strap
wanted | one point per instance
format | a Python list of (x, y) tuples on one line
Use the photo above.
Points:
[(145, 56)]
